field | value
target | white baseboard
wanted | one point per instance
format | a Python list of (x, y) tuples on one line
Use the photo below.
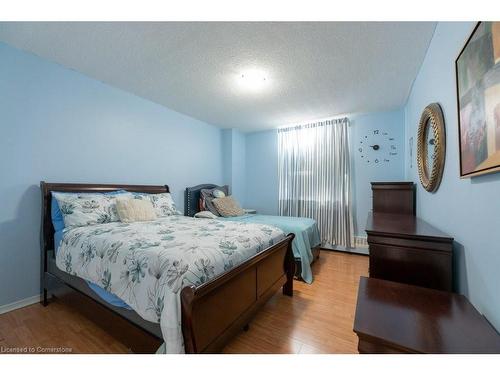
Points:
[(360, 242), (18, 304)]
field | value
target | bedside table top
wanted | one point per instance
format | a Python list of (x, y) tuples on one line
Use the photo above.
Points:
[(421, 320)]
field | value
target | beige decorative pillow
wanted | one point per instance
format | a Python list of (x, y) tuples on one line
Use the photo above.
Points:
[(227, 206), (130, 210)]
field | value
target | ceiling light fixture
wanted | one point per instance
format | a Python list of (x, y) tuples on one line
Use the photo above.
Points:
[(252, 80)]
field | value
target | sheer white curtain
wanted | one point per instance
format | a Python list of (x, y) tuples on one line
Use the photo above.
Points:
[(315, 177)]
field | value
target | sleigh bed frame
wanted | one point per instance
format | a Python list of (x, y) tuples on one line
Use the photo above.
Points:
[(212, 313)]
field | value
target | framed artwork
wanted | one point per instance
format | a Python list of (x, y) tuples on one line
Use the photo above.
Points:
[(478, 96)]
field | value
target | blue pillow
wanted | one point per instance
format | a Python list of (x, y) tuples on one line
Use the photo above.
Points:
[(56, 214), (57, 217), (109, 297)]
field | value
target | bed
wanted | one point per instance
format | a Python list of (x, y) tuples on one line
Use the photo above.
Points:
[(212, 307), (306, 243)]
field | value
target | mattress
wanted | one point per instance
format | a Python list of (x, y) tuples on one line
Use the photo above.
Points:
[(146, 264), (306, 236)]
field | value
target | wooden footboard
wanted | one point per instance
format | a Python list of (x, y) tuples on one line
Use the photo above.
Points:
[(215, 311)]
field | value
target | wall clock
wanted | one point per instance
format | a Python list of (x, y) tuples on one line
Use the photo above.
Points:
[(377, 147)]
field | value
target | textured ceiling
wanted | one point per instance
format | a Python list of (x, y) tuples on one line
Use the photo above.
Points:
[(315, 70)]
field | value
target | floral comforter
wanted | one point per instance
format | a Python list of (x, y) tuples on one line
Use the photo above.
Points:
[(146, 264)]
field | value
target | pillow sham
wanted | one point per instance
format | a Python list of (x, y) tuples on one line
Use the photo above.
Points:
[(207, 196), (82, 209), (205, 215), (201, 205), (56, 214), (227, 206), (131, 210), (218, 193), (163, 203)]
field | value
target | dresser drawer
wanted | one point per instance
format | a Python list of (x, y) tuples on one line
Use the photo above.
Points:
[(417, 266), (410, 242)]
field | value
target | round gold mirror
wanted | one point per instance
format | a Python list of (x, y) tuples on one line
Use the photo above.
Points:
[(431, 147)]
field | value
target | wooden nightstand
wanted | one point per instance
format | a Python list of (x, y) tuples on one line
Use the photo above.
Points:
[(399, 318), (406, 249)]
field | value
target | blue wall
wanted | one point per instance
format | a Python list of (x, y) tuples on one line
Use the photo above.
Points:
[(58, 125), (363, 125), (239, 166), (262, 164), (262, 171), (234, 145), (467, 209), (227, 157)]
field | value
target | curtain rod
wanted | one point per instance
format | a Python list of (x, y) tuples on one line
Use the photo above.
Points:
[(332, 121)]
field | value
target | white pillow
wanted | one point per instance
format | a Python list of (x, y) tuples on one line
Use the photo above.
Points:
[(218, 193), (163, 203), (205, 215), (130, 210), (82, 209)]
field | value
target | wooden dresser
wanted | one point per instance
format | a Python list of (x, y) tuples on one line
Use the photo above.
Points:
[(393, 197), (400, 318), (404, 248)]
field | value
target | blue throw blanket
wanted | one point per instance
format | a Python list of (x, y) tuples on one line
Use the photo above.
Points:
[(306, 236)]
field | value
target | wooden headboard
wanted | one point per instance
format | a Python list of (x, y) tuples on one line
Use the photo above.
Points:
[(192, 198), (47, 229)]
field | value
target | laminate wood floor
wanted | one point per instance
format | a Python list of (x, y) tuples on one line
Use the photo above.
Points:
[(318, 319)]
